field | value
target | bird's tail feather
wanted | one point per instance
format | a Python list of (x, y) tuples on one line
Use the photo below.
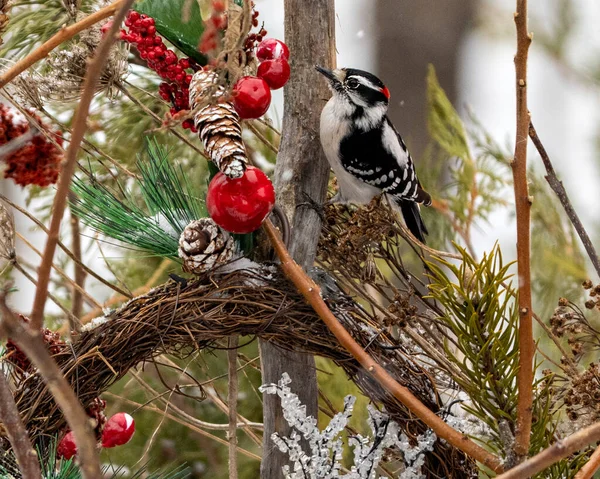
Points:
[(413, 219)]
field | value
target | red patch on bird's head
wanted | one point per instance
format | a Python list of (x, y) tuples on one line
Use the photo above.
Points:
[(386, 92)]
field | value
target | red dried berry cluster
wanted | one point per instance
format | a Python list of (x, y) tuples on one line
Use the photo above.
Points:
[(142, 34), (38, 162), (254, 39), (17, 357), (209, 41)]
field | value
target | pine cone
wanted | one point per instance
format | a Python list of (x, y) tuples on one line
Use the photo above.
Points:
[(203, 245), (218, 125)]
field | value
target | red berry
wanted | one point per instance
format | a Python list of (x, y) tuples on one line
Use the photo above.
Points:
[(118, 430), (252, 97), (271, 48), (240, 205), (67, 447), (275, 72)]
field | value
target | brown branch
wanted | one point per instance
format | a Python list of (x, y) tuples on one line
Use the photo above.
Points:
[(31, 343), (555, 453), (523, 210), (90, 81), (62, 36), (312, 294), (16, 432), (590, 467), (559, 189), (232, 393)]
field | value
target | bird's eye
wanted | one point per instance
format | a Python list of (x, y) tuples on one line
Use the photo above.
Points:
[(352, 83)]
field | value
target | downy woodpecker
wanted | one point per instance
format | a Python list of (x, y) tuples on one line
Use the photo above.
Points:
[(364, 149)]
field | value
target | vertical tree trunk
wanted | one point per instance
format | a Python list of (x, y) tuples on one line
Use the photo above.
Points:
[(301, 169), (413, 34)]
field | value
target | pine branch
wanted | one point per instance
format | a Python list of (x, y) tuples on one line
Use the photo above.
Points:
[(92, 76), (523, 209), (312, 294), (170, 205)]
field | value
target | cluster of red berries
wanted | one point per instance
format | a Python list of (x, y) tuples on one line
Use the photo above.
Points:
[(117, 431), (213, 27), (252, 95), (19, 359), (254, 39), (38, 162), (176, 87)]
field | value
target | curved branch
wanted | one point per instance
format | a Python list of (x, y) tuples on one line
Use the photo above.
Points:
[(176, 319), (312, 294)]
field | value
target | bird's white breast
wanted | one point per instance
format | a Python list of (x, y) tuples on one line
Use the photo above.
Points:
[(335, 125)]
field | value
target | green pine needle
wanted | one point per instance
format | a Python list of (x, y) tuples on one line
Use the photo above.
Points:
[(170, 204)]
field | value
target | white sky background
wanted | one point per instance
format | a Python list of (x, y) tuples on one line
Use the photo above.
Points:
[(564, 111)]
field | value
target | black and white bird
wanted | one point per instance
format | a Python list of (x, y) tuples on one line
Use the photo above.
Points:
[(365, 151)]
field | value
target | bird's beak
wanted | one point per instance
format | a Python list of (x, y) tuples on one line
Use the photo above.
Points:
[(330, 75)]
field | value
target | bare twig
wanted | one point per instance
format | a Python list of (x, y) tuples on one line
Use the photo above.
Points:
[(90, 81), (19, 267), (62, 36), (185, 423), (152, 281), (79, 276), (559, 189), (232, 393), (31, 343), (554, 453), (67, 251), (590, 467), (17, 434), (312, 294), (523, 209), (64, 275)]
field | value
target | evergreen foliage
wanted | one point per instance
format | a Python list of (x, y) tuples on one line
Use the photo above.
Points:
[(169, 204)]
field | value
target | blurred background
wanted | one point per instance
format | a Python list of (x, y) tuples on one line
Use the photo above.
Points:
[(471, 44)]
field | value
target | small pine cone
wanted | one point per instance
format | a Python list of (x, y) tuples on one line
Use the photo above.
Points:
[(203, 245), (218, 125)]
